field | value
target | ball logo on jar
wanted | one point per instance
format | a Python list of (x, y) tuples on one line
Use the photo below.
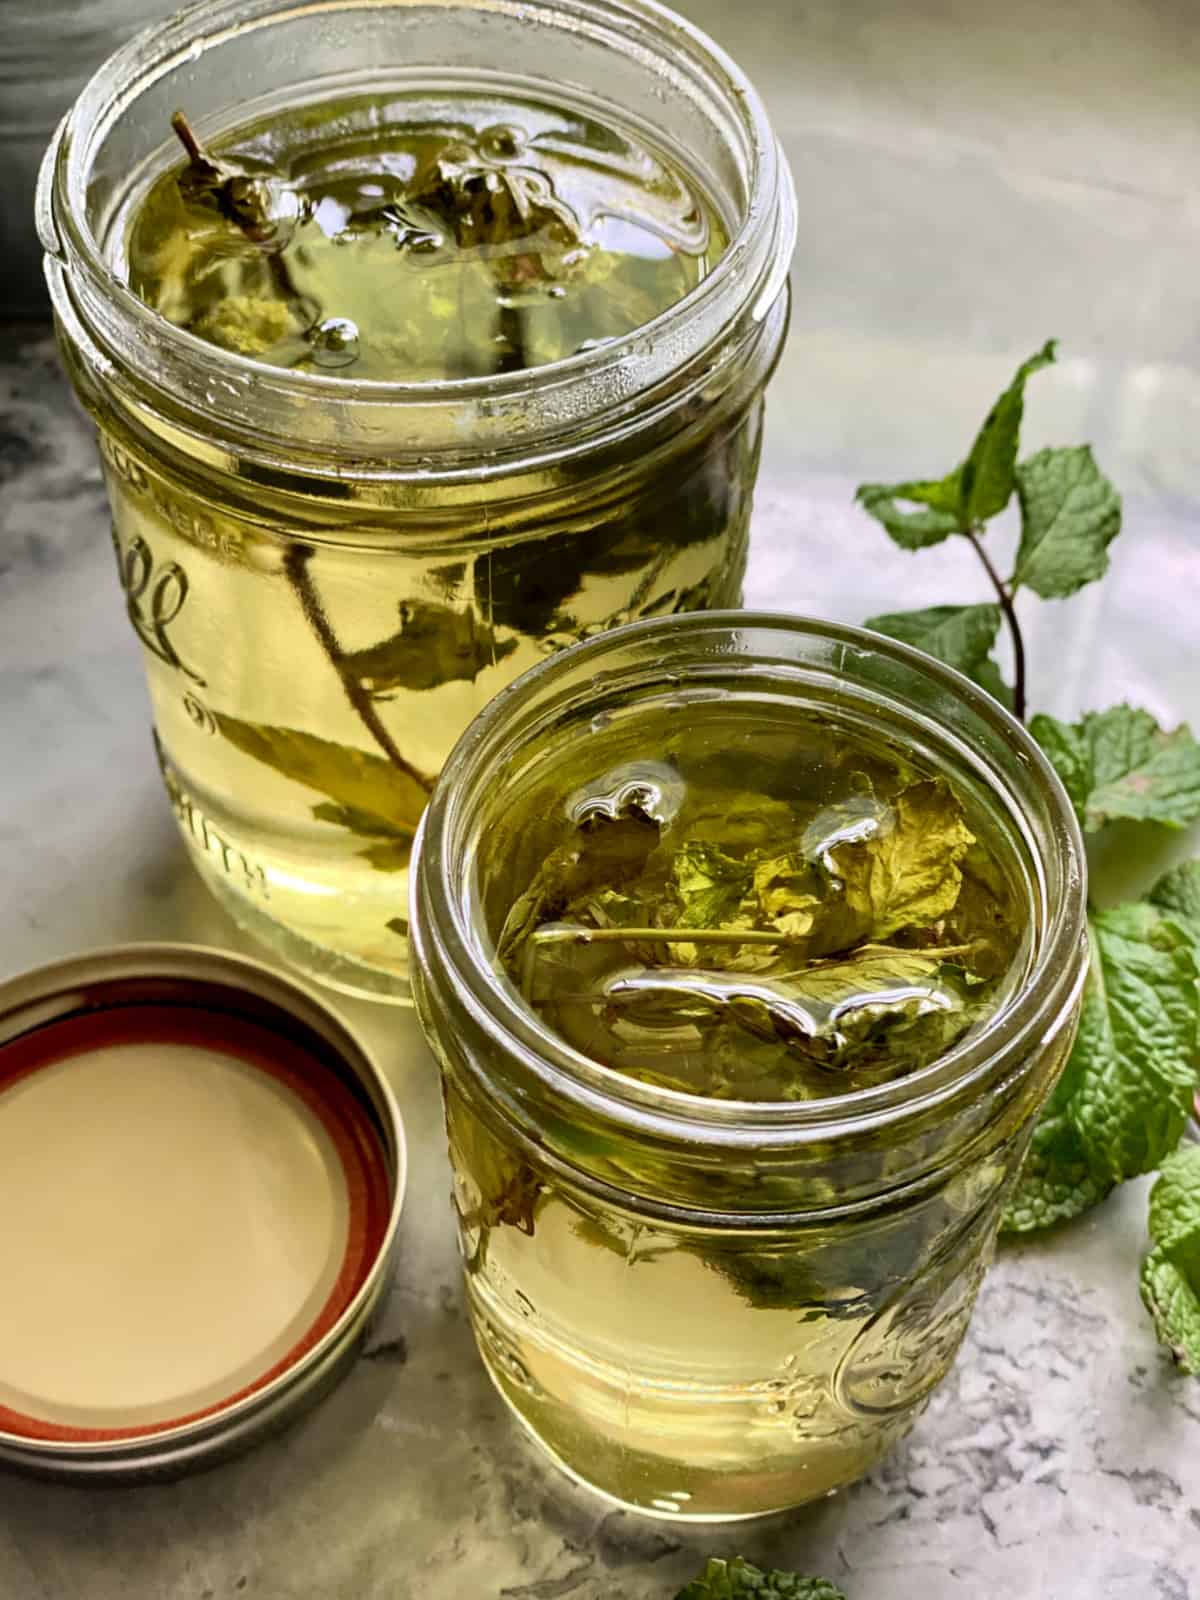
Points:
[(905, 1350), (153, 599)]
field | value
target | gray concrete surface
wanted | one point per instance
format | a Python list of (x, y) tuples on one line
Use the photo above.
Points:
[(972, 180)]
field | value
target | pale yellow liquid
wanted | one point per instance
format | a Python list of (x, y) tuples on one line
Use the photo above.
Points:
[(430, 611)]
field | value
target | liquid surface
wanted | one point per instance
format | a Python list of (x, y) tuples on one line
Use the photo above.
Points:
[(408, 238), (816, 919)]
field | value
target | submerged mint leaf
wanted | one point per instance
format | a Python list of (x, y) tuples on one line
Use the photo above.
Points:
[(914, 529), (961, 636), (987, 475), (1120, 764), (435, 644), (1070, 514), (908, 874), (738, 1580), (710, 885), (605, 854), (370, 797)]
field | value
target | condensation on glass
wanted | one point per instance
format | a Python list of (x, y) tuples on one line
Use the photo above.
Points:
[(716, 1309), (329, 577)]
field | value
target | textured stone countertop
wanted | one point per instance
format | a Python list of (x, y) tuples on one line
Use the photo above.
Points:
[(944, 235)]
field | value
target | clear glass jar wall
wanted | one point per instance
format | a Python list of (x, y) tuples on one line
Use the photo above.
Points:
[(706, 1308), (330, 577)]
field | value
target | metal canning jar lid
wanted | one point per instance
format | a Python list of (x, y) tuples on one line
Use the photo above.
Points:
[(208, 1171)]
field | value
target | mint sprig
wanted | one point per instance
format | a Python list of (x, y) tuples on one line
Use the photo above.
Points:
[(1070, 514), (1122, 1103), (738, 1580)]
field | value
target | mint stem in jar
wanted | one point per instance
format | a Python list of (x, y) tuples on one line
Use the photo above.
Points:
[(295, 566)]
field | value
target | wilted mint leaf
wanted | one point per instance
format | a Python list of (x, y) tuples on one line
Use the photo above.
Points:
[(1120, 763), (986, 477), (1056, 1182), (1070, 514), (961, 636), (710, 885), (907, 874), (738, 1580), (1178, 894), (914, 529)]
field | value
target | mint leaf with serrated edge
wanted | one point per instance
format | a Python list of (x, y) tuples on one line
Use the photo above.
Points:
[(961, 636), (1120, 764), (1056, 1182), (1135, 1056), (1172, 1298), (986, 477), (1123, 1100), (1178, 894), (980, 488), (914, 529), (1070, 514), (738, 1579), (1175, 1202), (1170, 1280)]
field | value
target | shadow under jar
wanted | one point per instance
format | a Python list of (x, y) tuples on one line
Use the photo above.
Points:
[(449, 352), (722, 1273)]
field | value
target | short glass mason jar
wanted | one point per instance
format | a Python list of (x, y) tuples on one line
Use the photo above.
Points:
[(593, 1208), (329, 577)]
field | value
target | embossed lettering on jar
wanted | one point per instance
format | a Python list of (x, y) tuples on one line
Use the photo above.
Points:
[(403, 382), (749, 948)]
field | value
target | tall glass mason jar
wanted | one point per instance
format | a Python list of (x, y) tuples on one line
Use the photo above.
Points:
[(328, 576), (718, 1308)]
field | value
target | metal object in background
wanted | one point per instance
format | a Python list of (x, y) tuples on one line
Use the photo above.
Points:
[(201, 1150)]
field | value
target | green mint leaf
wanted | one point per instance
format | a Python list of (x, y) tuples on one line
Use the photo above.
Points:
[(1120, 763), (925, 511), (1056, 1181), (1124, 1098), (987, 475), (1175, 1204), (738, 1580), (1070, 514), (1133, 1069), (1171, 1294), (1178, 894), (914, 529), (961, 636)]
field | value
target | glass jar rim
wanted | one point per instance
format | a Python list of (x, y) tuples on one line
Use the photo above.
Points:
[(1029, 1017), (747, 280)]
